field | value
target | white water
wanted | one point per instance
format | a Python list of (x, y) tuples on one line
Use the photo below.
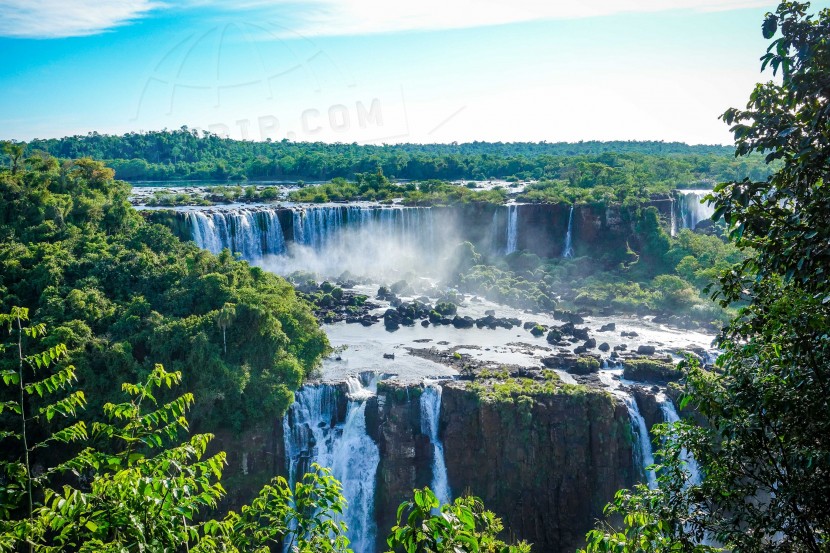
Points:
[(670, 416), (251, 232), (512, 229), (638, 425), (430, 413), (568, 250), (311, 436), (673, 218), (692, 209)]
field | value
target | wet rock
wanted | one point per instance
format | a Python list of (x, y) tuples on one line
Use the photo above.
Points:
[(608, 327), (645, 350), (581, 333), (463, 322), (537, 330), (425, 323), (388, 355), (604, 346), (590, 343), (554, 336), (631, 334), (490, 312)]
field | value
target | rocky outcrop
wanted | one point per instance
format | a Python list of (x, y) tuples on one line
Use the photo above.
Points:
[(405, 453), (254, 457), (547, 469)]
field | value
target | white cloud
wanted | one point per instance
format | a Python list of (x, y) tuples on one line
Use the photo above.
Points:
[(357, 17), (67, 18)]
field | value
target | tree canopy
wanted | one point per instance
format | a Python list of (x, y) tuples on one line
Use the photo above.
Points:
[(765, 446)]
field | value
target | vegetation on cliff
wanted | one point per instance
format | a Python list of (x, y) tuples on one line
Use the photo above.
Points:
[(670, 280), (124, 294), (764, 449)]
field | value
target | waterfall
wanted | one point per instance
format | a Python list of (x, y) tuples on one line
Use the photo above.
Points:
[(430, 412), (670, 416), (312, 435), (512, 229), (251, 232), (568, 251), (638, 425), (320, 226), (693, 209), (673, 228)]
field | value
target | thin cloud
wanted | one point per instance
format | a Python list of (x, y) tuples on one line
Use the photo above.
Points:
[(361, 17), (67, 18)]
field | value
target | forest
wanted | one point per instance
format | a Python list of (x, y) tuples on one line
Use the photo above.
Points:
[(187, 154)]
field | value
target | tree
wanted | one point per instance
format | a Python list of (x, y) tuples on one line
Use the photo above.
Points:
[(426, 526), (225, 317), (15, 151), (136, 486), (765, 450)]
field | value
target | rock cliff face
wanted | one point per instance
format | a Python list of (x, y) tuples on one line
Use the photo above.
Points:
[(547, 472), (405, 453), (254, 457)]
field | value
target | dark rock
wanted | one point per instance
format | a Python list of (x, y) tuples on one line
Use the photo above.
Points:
[(463, 322), (581, 333), (590, 343), (424, 323), (604, 346), (388, 355), (608, 327), (645, 350)]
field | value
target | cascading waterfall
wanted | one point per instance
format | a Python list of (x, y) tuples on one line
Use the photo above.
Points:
[(568, 251), (670, 416), (249, 231), (673, 217), (693, 209), (430, 413), (512, 229), (312, 435), (638, 424), (318, 227)]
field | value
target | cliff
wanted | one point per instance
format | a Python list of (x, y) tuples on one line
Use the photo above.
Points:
[(547, 472)]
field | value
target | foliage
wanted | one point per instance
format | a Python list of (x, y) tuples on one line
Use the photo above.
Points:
[(764, 449), (119, 291), (186, 154), (135, 486), (673, 283), (499, 387), (426, 526), (377, 187)]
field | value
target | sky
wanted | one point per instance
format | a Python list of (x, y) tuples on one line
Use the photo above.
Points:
[(373, 71)]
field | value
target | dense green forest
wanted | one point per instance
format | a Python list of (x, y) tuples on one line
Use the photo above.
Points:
[(124, 294), (187, 154)]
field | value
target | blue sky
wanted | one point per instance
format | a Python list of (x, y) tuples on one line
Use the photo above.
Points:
[(371, 71)]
